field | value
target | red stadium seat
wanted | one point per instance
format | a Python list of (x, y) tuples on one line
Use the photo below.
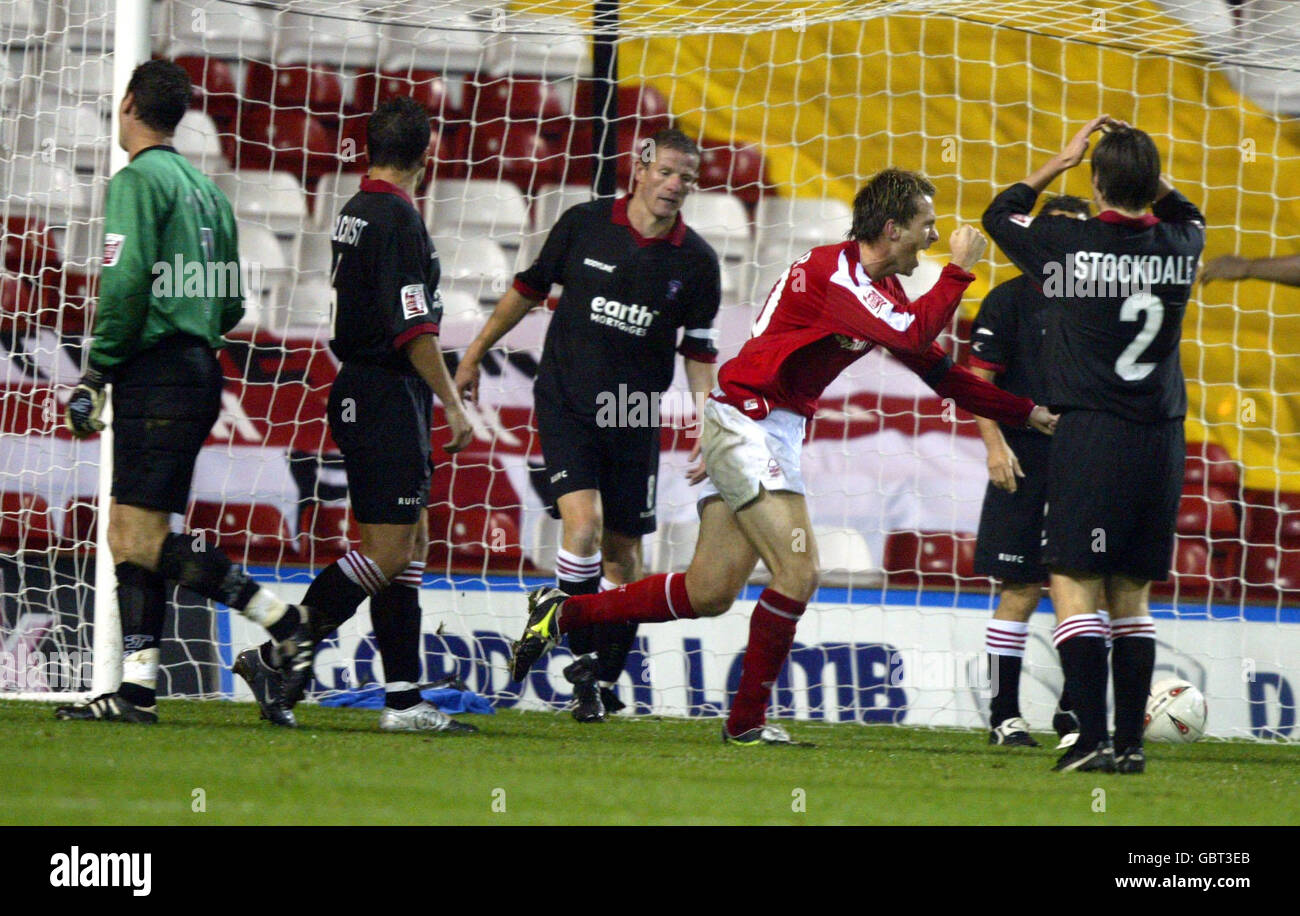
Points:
[(213, 87), (1271, 517), (1272, 571), (19, 306), (425, 86), (638, 104), (282, 140), (929, 558), (327, 531), (28, 247), (254, 531), (79, 524), (735, 169), (24, 522), (473, 535), (1201, 516), (1193, 570), (532, 101), (517, 153), (317, 88), (1209, 463)]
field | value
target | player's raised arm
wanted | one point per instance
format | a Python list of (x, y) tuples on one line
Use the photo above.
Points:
[(972, 393), (1232, 267)]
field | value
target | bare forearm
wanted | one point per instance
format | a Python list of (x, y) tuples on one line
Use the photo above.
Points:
[(1276, 270), (701, 377), (1045, 174), (508, 312), (990, 431)]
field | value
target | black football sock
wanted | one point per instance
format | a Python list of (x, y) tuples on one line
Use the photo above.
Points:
[(395, 613), (336, 593), (575, 575), (1132, 660), (142, 600), (1004, 641), (613, 643), (1084, 661), (189, 561)]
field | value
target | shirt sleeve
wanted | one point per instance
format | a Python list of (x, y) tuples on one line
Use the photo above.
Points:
[(699, 337), (994, 332), (967, 390), (548, 269), (866, 312), (232, 309), (1029, 243), (1175, 208), (412, 305), (130, 251)]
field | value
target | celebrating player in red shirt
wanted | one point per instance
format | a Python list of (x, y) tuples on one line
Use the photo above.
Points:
[(827, 311)]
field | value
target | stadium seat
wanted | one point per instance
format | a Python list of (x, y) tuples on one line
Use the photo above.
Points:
[(469, 208), (929, 559), (80, 518), (19, 307), (27, 247), (546, 46), (845, 558), (251, 532), (87, 25), (477, 266), (213, 84), (476, 537), (531, 101), (24, 522), (548, 203), (446, 40), (641, 105), (721, 220), (316, 87), (786, 227), (673, 546), (23, 22), (1210, 464), (198, 140), (1271, 517), (1272, 572), (735, 169), (1193, 572), (349, 39), (266, 276), (307, 305), (332, 192), (285, 139), (314, 257), (85, 77), (515, 152), (326, 532), (271, 199), (1199, 516), (460, 305), (73, 132), (230, 31)]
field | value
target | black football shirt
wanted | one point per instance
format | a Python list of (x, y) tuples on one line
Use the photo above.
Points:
[(385, 278), (1007, 338), (625, 297), (1118, 288)]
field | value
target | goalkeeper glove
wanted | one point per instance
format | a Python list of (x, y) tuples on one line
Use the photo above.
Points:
[(86, 404)]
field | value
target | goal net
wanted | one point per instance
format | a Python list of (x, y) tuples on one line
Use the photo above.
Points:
[(794, 105)]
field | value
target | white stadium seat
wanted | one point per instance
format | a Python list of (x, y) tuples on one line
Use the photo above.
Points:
[(307, 305), (470, 208), (315, 254), (450, 43), (231, 31), (476, 266), (547, 46), (271, 199), (332, 192), (266, 276), (844, 557), (786, 227), (69, 131), (33, 188), (344, 39), (84, 76), (549, 202), (85, 24), (23, 22), (721, 219)]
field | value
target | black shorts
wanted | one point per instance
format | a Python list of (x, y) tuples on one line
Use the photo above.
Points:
[(1112, 495), (1010, 540), (622, 463), (381, 421), (165, 401)]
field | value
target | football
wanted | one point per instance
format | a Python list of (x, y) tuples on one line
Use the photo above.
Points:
[(1176, 712)]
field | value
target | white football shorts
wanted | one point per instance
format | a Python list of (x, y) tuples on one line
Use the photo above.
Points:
[(744, 457)]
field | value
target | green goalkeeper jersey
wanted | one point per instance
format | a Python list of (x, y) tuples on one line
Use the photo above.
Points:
[(171, 259)]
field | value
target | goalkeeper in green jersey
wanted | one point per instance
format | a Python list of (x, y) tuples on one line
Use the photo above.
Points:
[(168, 291)]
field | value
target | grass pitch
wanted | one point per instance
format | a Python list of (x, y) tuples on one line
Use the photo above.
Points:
[(212, 763)]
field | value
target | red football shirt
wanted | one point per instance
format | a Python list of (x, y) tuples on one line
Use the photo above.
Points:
[(826, 313)]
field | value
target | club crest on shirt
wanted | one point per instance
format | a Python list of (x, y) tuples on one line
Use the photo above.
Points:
[(112, 248), (1021, 219), (413, 302), (849, 343), (674, 287)]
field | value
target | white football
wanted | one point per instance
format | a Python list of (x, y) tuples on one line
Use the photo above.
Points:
[(1176, 712)]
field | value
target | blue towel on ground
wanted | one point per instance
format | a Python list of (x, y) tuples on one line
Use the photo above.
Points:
[(447, 699)]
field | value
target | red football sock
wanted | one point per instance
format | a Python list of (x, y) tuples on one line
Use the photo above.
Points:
[(652, 600), (771, 633)]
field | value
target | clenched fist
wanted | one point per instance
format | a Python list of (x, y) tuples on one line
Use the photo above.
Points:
[(967, 244)]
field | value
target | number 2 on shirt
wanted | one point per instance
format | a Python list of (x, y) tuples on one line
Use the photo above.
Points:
[(1127, 367)]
